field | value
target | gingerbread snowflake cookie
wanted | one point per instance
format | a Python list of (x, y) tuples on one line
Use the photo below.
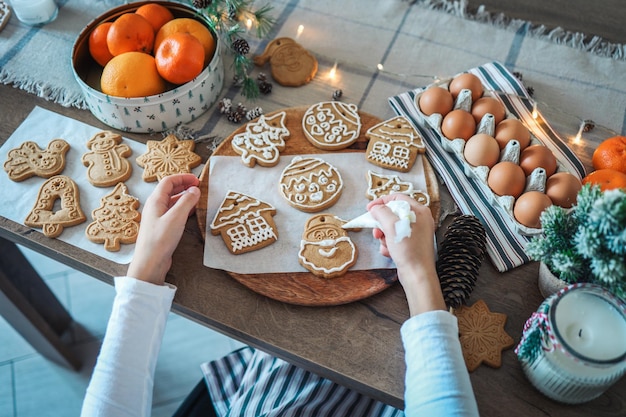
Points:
[(116, 221), (310, 184), (379, 185), (106, 161), (332, 125), (262, 140), (29, 160), (394, 144), (326, 250), (245, 223), (168, 156), (45, 213)]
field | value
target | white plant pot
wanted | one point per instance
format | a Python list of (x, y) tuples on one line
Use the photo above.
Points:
[(548, 282)]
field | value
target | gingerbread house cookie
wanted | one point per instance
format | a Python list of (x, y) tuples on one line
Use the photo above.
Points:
[(331, 125), (29, 160), (326, 250), (245, 223), (394, 144), (381, 184), (168, 156), (262, 141), (310, 184)]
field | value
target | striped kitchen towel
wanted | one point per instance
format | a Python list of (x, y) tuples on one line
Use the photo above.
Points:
[(505, 244)]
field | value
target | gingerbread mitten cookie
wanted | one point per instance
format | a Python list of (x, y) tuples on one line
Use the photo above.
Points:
[(46, 216), (106, 162), (29, 160)]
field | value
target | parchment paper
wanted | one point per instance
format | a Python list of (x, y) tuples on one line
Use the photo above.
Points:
[(228, 173)]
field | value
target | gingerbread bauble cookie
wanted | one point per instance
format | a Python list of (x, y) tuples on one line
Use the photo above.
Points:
[(332, 125)]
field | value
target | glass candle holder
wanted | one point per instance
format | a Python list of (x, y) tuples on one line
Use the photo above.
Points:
[(35, 12), (574, 347)]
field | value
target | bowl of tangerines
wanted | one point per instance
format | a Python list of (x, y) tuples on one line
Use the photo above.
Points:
[(148, 66)]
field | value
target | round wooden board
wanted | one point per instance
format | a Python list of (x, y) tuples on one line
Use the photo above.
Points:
[(304, 288)]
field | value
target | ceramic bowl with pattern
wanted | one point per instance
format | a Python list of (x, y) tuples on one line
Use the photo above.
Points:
[(157, 113)]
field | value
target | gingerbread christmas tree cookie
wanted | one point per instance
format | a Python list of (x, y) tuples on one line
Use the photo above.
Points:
[(29, 160), (262, 141), (245, 223), (116, 221), (168, 156), (51, 219), (482, 335), (394, 144)]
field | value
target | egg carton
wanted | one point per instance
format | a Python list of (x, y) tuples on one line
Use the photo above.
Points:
[(536, 181)]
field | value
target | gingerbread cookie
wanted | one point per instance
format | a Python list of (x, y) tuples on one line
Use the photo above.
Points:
[(394, 144), (106, 163), (168, 156), (326, 250), (245, 223), (29, 160), (46, 216), (292, 65), (310, 184), (482, 335), (262, 141), (116, 221), (331, 125), (381, 184)]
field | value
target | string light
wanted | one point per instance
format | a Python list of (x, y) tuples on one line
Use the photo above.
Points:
[(333, 71), (299, 31), (380, 67), (249, 24), (535, 113), (585, 126)]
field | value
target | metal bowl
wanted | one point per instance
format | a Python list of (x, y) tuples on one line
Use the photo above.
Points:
[(182, 104)]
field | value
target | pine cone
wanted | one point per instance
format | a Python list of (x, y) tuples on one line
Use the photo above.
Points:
[(225, 105), (337, 94), (254, 113), (265, 87), (459, 258), (201, 4), (235, 117), (241, 46)]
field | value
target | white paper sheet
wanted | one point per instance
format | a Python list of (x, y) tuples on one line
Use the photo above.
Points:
[(42, 126), (228, 173)]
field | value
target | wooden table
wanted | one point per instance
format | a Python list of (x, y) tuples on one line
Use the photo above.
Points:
[(357, 344)]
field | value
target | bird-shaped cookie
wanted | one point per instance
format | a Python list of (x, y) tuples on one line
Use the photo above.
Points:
[(30, 160)]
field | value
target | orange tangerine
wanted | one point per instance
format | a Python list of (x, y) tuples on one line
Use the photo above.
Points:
[(607, 179), (179, 58), (131, 74), (98, 43), (193, 27), (156, 14), (129, 33), (611, 154)]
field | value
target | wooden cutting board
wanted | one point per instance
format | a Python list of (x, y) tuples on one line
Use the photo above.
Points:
[(304, 288)]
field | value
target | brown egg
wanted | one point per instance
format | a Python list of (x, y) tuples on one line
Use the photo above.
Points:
[(529, 206), (563, 188), (436, 100), (486, 105), (510, 129), (537, 156), (466, 81), (481, 150), (458, 124), (506, 178)]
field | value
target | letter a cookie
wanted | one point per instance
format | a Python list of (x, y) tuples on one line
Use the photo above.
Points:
[(45, 216), (262, 141), (116, 221)]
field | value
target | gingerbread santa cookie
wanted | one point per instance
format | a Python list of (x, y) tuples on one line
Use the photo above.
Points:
[(168, 156), (332, 125), (29, 160), (262, 141), (106, 162), (116, 221), (326, 250), (394, 144), (381, 184), (245, 223), (310, 184), (292, 65), (53, 220)]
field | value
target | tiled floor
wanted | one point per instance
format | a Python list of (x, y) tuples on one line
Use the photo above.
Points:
[(30, 385)]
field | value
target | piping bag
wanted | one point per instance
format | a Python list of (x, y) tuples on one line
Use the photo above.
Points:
[(400, 208)]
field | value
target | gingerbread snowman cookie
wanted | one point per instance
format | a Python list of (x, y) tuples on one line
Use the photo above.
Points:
[(326, 250), (106, 162)]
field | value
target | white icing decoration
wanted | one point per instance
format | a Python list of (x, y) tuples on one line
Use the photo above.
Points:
[(261, 141), (319, 268), (393, 184), (332, 124), (324, 182), (392, 143)]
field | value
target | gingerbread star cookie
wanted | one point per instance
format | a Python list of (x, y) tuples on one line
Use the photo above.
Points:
[(394, 144), (482, 335), (29, 160), (262, 141), (168, 156)]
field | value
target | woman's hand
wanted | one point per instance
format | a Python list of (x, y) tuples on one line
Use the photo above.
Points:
[(163, 221), (414, 256)]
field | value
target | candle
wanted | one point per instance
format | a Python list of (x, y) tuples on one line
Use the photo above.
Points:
[(574, 347), (35, 12)]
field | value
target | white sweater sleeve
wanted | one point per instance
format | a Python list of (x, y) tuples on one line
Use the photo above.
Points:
[(437, 382), (123, 378)]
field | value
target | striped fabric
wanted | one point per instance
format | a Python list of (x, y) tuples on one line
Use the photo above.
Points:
[(252, 383), (505, 244)]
